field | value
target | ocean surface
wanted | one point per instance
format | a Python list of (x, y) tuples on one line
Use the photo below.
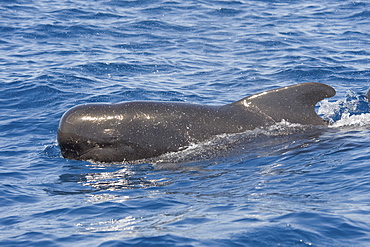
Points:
[(287, 185)]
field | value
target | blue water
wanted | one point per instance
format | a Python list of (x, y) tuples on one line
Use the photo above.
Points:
[(276, 189)]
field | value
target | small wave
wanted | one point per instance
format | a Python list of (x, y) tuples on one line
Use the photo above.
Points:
[(122, 69), (226, 12), (361, 15), (52, 151), (159, 25)]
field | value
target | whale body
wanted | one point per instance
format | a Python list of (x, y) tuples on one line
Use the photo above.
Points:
[(137, 130)]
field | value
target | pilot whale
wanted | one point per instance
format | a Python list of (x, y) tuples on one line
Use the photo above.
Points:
[(137, 130)]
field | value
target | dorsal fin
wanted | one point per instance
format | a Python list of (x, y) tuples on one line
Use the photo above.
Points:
[(296, 103)]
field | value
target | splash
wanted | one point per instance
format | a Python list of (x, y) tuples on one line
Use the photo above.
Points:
[(354, 110), (257, 141)]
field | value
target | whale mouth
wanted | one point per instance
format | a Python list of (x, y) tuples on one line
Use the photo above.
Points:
[(86, 150), (73, 149), (73, 146), (101, 155), (83, 151)]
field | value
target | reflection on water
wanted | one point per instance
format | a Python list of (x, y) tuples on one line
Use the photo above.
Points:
[(98, 198), (124, 224), (97, 178), (125, 178)]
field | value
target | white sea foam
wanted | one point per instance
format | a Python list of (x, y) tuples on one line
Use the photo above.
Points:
[(345, 112), (352, 120)]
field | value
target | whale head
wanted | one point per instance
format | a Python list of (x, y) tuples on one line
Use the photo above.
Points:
[(89, 132)]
